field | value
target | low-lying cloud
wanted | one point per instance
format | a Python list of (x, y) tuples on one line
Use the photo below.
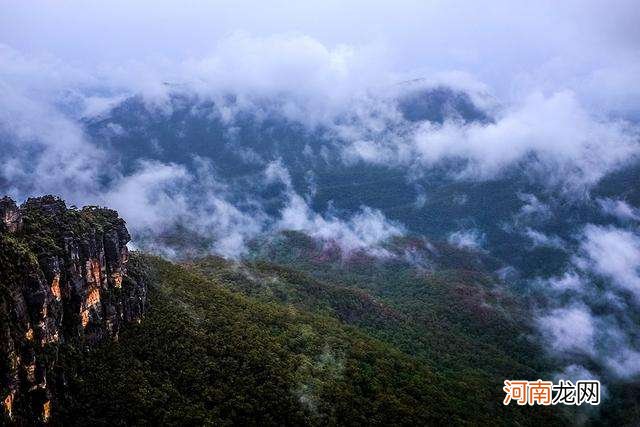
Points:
[(467, 239), (612, 253), (539, 239), (572, 329), (365, 230), (598, 298), (157, 198), (619, 209), (553, 137)]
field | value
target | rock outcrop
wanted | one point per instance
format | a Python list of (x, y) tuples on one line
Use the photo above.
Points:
[(63, 282)]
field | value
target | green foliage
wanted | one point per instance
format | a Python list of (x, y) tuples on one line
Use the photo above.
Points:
[(47, 220), (450, 313), (206, 354)]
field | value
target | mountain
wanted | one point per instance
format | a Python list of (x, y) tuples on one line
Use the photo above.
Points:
[(220, 341), (435, 200), (290, 269)]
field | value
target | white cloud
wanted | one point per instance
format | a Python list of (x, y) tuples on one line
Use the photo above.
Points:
[(144, 198), (625, 362), (614, 254), (276, 172), (98, 106), (365, 230), (575, 372), (619, 209), (575, 331), (467, 239), (157, 197), (570, 281), (569, 330), (589, 46), (43, 150), (348, 88), (596, 320), (542, 240), (554, 136), (533, 207)]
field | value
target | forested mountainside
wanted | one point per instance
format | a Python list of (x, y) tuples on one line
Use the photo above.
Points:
[(338, 340)]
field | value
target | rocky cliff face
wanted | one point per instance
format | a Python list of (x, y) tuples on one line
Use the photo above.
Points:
[(63, 282)]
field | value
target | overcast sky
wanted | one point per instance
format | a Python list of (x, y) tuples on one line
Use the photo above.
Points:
[(592, 47)]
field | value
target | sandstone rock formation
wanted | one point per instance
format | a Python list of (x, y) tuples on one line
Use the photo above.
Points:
[(63, 282)]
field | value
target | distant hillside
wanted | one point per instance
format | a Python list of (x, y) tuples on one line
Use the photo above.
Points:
[(332, 341), (434, 200)]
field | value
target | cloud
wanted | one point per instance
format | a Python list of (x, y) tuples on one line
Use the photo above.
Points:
[(533, 210), (575, 373), (539, 239), (349, 89), (99, 106), (156, 198), (533, 206), (551, 136), (43, 150), (575, 332), (614, 254), (626, 363), (145, 198), (619, 209), (48, 151), (467, 239), (596, 319), (570, 330), (276, 172), (365, 230), (570, 281), (588, 46)]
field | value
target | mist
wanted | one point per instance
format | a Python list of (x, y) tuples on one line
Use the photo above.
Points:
[(556, 85)]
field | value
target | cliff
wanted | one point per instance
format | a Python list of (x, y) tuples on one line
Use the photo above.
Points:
[(63, 282)]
